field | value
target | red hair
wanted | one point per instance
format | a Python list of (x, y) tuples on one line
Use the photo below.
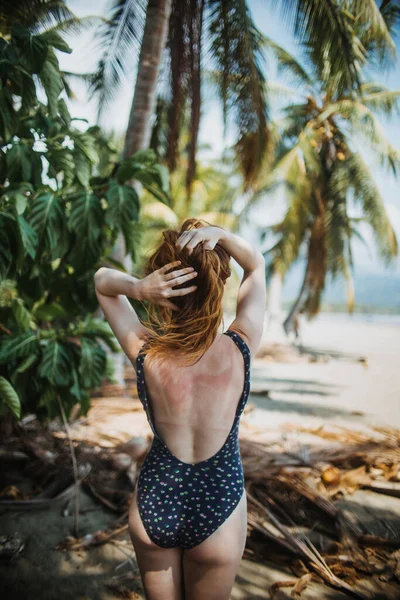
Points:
[(192, 329)]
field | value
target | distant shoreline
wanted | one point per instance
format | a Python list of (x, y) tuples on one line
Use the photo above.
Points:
[(359, 309)]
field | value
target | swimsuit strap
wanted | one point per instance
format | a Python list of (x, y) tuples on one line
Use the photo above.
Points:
[(142, 386), (245, 350)]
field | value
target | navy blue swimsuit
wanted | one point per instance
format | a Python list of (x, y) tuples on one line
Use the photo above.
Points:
[(182, 504)]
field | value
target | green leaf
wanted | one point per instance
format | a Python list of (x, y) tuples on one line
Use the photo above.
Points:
[(94, 328), (48, 312), (21, 315), (92, 365), (5, 251), (64, 112), (47, 218), (18, 346), (123, 204), (32, 48), (52, 82), (127, 170), (19, 162), (86, 218), (27, 363), (29, 237), (145, 157), (10, 397), (55, 364), (54, 39)]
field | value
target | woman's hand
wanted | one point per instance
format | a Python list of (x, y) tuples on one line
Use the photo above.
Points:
[(209, 236), (159, 285)]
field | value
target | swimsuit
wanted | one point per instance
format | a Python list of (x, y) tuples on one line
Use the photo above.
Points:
[(182, 504)]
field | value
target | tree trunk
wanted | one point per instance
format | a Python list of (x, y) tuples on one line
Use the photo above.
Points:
[(288, 324), (275, 330), (139, 125), (154, 37)]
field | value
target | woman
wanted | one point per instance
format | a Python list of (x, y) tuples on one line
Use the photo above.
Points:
[(188, 513)]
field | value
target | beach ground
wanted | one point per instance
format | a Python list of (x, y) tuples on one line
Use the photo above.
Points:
[(346, 375)]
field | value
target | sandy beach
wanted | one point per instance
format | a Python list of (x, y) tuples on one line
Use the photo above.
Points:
[(338, 386), (346, 373)]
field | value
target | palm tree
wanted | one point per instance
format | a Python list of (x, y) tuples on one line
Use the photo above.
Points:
[(341, 37), (217, 35), (338, 41), (213, 33), (324, 174)]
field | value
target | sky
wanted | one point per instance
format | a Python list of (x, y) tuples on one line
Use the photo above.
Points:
[(84, 59)]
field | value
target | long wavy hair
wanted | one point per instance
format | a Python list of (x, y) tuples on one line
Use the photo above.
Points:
[(191, 330)]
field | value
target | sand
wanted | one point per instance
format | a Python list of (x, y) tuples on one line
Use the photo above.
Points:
[(338, 391)]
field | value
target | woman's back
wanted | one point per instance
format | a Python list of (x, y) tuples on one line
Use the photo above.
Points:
[(192, 408)]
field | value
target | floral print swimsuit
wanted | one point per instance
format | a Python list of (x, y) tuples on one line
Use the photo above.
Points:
[(182, 504)]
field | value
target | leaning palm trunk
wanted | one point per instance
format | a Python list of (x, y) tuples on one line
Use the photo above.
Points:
[(288, 324), (274, 327), (154, 38), (139, 124)]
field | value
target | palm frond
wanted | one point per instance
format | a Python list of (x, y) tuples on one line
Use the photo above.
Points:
[(288, 64), (373, 30), (74, 25), (34, 14), (236, 46), (119, 38), (367, 193), (380, 99), (390, 11), (365, 124), (327, 31)]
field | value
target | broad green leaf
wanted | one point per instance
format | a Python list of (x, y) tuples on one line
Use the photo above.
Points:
[(92, 365), (47, 218), (86, 217), (21, 315), (32, 48), (123, 204), (29, 236), (127, 170), (54, 39), (52, 82), (9, 397), (55, 365), (18, 346), (94, 328)]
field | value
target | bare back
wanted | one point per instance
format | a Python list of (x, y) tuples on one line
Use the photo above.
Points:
[(193, 407)]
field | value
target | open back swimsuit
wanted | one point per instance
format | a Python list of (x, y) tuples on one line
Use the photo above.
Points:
[(182, 504)]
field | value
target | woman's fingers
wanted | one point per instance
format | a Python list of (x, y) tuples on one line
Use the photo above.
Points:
[(182, 279), (182, 291), (169, 266), (175, 274), (186, 238)]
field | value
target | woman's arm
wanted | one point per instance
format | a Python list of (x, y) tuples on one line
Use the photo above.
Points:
[(252, 294), (251, 302), (248, 257), (113, 288), (111, 282)]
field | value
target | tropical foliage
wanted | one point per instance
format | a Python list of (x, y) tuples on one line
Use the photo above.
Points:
[(318, 160), (64, 199), (220, 38), (221, 35)]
